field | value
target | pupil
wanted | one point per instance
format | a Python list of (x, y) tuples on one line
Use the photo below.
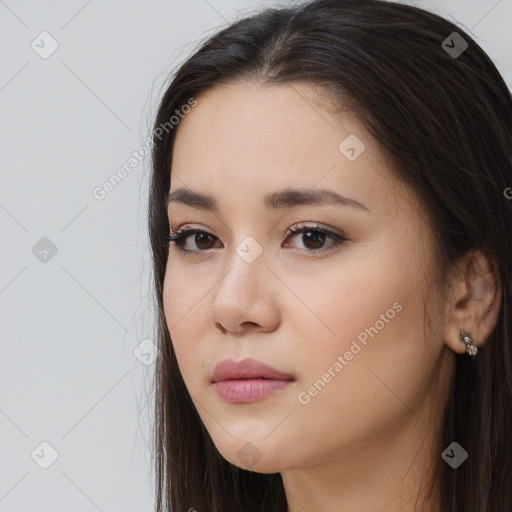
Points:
[(319, 236), (204, 235)]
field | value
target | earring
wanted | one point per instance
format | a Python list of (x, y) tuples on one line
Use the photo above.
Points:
[(466, 338)]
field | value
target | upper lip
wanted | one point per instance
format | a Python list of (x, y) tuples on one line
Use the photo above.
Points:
[(246, 369)]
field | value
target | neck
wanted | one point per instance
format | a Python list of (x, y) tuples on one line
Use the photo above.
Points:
[(369, 478)]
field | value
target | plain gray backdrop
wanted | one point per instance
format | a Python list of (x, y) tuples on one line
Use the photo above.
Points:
[(79, 83)]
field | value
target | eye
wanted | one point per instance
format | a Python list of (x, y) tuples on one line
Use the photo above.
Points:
[(313, 238), (201, 238)]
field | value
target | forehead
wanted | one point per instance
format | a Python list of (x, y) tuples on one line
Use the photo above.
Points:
[(259, 119), (250, 139)]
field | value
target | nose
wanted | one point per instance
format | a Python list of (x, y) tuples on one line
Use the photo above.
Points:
[(246, 299)]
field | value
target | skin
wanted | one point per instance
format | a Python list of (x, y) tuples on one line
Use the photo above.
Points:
[(368, 439)]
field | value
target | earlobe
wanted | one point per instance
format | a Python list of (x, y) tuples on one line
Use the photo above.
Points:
[(474, 304)]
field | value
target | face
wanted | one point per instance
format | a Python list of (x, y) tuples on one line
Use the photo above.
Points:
[(336, 309)]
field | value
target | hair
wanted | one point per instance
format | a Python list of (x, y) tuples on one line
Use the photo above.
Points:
[(445, 123)]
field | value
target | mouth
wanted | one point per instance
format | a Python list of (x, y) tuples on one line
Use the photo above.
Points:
[(248, 380), (242, 391)]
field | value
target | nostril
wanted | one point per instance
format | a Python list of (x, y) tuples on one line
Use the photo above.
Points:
[(250, 324)]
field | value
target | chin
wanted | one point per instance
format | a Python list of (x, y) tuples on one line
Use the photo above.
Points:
[(255, 453), (252, 463)]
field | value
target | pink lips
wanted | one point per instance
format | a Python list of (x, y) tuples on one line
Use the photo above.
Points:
[(247, 380)]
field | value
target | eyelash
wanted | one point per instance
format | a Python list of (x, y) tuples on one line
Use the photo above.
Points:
[(179, 238)]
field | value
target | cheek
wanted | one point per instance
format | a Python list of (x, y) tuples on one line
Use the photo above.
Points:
[(373, 319), (357, 300), (186, 311)]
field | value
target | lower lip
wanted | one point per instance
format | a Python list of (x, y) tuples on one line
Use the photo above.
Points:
[(249, 390)]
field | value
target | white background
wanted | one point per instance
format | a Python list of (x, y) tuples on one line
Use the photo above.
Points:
[(69, 325)]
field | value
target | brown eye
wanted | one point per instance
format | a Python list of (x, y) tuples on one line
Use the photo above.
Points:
[(313, 239), (201, 240)]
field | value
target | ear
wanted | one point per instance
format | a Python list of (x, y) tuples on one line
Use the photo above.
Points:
[(475, 301)]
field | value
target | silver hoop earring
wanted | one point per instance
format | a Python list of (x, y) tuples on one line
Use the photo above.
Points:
[(466, 338)]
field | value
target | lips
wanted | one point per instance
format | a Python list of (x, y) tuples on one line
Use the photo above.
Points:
[(248, 380), (246, 369)]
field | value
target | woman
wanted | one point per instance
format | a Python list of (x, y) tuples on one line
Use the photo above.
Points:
[(329, 225)]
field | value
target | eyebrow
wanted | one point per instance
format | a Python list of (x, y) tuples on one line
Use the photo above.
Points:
[(287, 198)]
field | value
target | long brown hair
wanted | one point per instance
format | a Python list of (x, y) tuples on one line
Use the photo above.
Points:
[(445, 121)]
